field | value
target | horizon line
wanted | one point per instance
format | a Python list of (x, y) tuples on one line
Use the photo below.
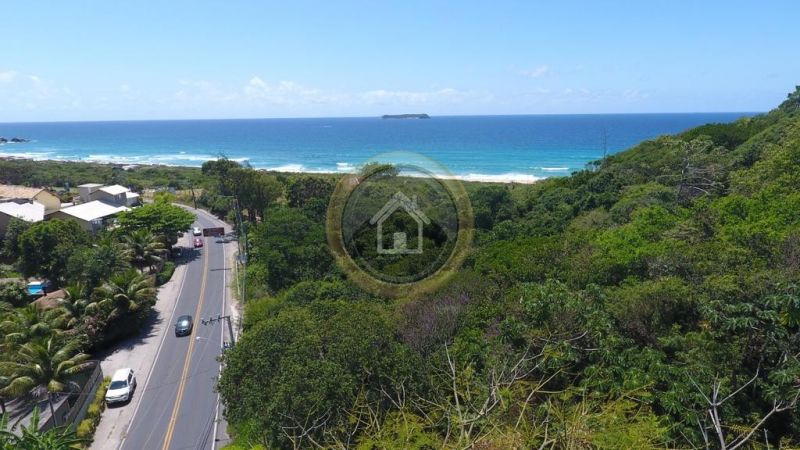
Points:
[(376, 117)]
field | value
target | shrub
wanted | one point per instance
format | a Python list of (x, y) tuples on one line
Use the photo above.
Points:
[(87, 426), (86, 429), (166, 273), (13, 293)]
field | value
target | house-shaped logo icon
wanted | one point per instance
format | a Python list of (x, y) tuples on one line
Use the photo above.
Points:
[(400, 239)]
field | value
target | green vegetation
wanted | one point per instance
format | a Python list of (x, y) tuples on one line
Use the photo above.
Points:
[(94, 412), (160, 219), (61, 174), (651, 301), (58, 438), (166, 273), (108, 292)]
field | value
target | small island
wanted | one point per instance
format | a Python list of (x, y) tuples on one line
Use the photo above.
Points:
[(406, 116)]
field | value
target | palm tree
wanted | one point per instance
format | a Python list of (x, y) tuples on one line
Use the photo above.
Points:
[(72, 307), (44, 368), (144, 249), (24, 324), (125, 292), (107, 256)]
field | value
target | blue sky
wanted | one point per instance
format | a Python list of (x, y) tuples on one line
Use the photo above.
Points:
[(202, 59)]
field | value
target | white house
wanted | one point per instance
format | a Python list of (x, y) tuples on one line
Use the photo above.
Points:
[(92, 216), (114, 194), (29, 212)]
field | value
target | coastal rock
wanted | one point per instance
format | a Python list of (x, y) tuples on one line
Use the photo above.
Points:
[(3, 140), (16, 140)]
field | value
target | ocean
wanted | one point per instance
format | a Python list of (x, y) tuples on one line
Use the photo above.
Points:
[(480, 148)]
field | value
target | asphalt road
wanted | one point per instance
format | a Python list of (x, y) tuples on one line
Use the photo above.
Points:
[(177, 404)]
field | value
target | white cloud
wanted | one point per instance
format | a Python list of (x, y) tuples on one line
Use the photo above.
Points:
[(287, 93), (445, 95), (537, 72), (7, 76)]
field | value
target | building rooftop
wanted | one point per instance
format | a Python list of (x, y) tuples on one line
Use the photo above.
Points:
[(30, 212), (93, 210), (13, 191), (114, 189), (89, 185)]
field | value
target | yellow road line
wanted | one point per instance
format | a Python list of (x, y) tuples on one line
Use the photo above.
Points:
[(188, 361)]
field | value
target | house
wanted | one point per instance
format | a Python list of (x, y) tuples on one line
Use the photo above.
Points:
[(92, 216), (23, 194), (114, 194), (132, 199), (29, 212), (86, 192), (400, 239)]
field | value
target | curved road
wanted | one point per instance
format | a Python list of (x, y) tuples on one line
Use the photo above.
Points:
[(175, 405)]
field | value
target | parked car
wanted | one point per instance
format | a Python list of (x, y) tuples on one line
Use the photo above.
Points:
[(183, 326), (198, 242), (123, 383), (197, 231)]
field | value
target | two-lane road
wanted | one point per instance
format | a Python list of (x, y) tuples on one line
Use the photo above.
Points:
[(175, 404)]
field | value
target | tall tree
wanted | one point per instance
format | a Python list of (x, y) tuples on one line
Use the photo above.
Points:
[(14, 229), (25, 324), (123, 293), (46, 247), (72, 307), (162, 219), (45, 368), (93, 265), (143, 249)]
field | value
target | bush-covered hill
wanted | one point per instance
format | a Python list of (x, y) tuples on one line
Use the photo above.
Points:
[(649, 302)]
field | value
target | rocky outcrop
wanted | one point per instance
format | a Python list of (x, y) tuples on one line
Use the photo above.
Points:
[(13, 140)]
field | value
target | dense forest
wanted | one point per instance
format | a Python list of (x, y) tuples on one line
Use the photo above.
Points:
[(649, 301)]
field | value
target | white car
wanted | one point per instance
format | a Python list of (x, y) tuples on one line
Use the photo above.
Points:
[(197, 231), (122, 386)]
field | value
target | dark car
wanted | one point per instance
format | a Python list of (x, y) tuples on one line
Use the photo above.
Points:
[(183, 326)]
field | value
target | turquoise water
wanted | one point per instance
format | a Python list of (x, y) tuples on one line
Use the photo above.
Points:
[(520, 148)]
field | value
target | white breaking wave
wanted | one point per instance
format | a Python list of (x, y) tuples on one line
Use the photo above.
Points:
[(511, 177), (341, 167), (345, 167), (36, 156), (293, 168)]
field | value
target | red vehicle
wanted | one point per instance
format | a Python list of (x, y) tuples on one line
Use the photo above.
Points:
[(198, 242)]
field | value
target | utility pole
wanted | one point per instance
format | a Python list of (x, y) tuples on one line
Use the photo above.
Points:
[(219, 318), (241, 243)]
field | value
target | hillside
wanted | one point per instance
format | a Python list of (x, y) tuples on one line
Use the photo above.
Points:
[(650, 302)]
